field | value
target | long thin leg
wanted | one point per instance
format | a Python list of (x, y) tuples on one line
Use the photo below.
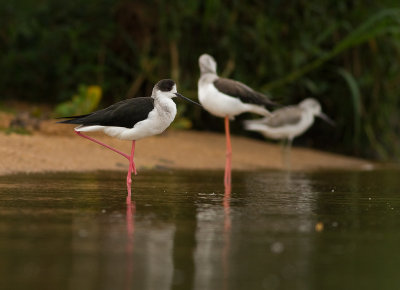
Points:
[(283, 153), (228, 163), (130, 170), (289, 153), (102, 144), (109, 147), (286, 154)]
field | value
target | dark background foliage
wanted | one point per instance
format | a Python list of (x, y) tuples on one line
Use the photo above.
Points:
[(346, 54)]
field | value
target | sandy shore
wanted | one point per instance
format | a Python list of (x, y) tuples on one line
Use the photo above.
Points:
[(57, 148)]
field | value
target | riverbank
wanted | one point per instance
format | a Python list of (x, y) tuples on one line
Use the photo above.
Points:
[(56, 148)]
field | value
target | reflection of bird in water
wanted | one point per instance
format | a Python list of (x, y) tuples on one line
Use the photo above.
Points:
[(130, 230), (227, 98), (132, 119), (212, 255), (227, 236), (288, 122)]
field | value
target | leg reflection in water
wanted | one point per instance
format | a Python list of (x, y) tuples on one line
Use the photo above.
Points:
[(130, 230), (227, 235)]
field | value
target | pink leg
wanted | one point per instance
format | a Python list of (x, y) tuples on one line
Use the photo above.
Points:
[(130, 170), (109, 147), (227, 208), (227, 180)]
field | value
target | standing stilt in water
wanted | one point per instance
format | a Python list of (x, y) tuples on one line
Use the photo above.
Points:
[(132, 119), (227, 98)]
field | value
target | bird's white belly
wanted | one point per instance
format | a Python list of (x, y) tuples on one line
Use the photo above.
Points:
[(219, 104)]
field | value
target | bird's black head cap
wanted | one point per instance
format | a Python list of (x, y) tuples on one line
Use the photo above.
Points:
[(165, 85)]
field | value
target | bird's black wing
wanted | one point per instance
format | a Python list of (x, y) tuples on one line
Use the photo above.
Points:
[(122, 114), (239, 90)]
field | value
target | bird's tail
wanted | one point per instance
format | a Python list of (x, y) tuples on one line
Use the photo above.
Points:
[(72, 119), (257, 109), (254, 125), (267, 100)]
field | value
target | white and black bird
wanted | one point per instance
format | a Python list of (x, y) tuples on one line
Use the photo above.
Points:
[(224, 97), (289, 122), (132, 119), (227, 98)]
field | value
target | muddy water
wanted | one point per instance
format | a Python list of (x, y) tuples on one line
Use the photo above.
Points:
[(274, 230)]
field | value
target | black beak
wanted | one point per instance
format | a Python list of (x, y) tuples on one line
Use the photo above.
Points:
[(326, 119), (189, 100)]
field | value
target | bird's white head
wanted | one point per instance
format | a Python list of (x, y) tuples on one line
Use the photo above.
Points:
[(311, 105), (207, 64), (314, 107)]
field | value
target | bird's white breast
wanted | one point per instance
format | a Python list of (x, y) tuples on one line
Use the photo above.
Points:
[(158, 120), (217, 103)]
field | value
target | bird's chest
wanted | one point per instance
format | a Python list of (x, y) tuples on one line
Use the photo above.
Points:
[(306, 120), (218, 103), (305, 123), (166, 111)]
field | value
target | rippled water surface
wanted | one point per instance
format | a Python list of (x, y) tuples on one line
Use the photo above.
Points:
[(275, 230)]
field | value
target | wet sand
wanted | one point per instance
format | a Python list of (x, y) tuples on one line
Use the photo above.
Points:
[(56, 148)]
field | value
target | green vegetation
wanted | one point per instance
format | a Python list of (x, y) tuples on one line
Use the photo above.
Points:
[(344, 53), (84, 102)]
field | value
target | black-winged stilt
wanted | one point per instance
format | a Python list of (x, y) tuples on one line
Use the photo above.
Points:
[(288, 122), (132, 119), (227, 98)]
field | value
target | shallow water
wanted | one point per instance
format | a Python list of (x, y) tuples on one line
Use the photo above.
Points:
[(315, 230)]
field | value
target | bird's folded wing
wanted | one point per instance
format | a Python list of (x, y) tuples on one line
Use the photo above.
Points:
[(284, 117), (122, 114), (239, 90)]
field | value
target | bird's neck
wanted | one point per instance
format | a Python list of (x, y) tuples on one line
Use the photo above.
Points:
[(165, 106), (208, 73), (309, 116), (207, 78), (207, 70)]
